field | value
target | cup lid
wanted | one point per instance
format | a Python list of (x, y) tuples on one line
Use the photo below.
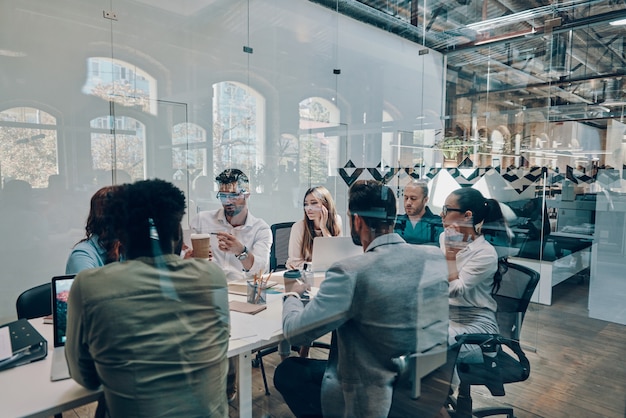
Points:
[(292, 274)]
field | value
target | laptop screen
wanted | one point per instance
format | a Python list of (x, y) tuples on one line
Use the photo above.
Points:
[(328, 250), (60, 290)]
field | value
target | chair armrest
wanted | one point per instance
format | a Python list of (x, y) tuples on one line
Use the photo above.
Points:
[(491, 342), (319, 344)]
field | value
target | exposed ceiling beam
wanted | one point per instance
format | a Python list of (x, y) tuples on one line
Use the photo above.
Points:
[(553, 83), (576, 24)]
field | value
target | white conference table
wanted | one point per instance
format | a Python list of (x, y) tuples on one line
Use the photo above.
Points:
[(28, 392)]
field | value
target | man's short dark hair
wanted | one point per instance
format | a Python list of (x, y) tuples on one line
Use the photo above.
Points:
[(374, 202), (419, 184), (137, 203), (234, 175)]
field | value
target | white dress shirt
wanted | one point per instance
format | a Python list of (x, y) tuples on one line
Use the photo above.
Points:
[(255, 234), (477, 263)]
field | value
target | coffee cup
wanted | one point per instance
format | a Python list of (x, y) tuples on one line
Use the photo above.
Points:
[(201, 244)]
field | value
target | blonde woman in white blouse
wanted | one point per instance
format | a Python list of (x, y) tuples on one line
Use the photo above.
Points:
[(320, 220)]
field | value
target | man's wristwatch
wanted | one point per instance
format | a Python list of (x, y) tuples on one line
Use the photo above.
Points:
[(243, 255)]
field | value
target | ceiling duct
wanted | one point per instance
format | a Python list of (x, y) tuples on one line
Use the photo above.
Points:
[(614, 92), (558, 44)]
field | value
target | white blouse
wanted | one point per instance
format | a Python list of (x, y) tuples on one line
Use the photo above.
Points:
[(295, 260), (477, 263)]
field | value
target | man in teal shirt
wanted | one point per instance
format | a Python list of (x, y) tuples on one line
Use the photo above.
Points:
[(418, 225), (152, 330)]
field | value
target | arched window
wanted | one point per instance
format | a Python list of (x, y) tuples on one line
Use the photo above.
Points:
[(388, 154), (121, 82), (28, 146), (188, 150), (319, 150), (123, 150), (238, 128)]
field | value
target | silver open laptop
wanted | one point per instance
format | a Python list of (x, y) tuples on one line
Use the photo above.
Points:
[(329, 250), (60, 291)]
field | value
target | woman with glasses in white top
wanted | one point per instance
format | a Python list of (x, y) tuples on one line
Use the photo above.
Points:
[(472, 265)]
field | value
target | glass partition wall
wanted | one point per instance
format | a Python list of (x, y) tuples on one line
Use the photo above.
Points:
[(299, 93), (292, 93), (537, 117)]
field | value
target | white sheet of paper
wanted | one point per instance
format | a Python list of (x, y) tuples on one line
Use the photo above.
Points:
[(246, 326), (5, 343)]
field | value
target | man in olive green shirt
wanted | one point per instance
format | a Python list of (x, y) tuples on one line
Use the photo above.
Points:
[(152, 330)]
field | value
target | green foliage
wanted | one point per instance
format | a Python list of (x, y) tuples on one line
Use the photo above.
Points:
[(313, 168), (28, 154), (451, 146)]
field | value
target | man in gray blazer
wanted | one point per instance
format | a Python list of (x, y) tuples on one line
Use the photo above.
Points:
[(370, 302)]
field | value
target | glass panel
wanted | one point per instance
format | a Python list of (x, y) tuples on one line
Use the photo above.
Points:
[(117, 149), (530, 111), (28, 146), (238, 137), (45, 138)]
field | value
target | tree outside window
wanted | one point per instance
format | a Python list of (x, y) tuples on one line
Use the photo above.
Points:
[(318, 152), (189, 150), (122, 151), (28, 146), (238, 125)]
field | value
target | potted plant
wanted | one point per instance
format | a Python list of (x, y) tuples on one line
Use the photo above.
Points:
[(451, 148)]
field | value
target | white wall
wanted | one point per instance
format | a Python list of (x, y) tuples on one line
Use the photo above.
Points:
[(44, 47)]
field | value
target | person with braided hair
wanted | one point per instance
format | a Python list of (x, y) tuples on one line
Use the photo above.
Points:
[(153, 329)]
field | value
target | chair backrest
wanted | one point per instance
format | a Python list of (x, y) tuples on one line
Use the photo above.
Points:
[(516, 288), (35, 302), (434, 387), (279, 251)]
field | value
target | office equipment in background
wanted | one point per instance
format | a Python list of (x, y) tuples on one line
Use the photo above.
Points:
[(60, 290), (329, 250), (21, 343)]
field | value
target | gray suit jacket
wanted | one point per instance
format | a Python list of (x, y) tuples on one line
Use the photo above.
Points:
[(371, 300)]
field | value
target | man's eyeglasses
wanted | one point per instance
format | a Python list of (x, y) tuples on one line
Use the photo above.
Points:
[(445, 210), (223, 196)]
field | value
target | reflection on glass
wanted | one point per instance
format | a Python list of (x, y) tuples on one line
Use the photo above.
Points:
[(238, 123), (122, 83), (319, 147), (28, 146), (123, 151)]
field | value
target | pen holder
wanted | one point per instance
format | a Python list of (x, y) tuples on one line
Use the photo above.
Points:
[(257, 293), (308, 278)]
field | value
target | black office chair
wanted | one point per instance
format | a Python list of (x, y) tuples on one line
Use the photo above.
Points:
[(35, 302), (510, 364), (279, 252), (434, 387)]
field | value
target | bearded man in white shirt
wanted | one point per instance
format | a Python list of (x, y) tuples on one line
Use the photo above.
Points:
[(243, 241)]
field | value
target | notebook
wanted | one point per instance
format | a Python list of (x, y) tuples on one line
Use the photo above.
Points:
[(329, 250), (60, 290)]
